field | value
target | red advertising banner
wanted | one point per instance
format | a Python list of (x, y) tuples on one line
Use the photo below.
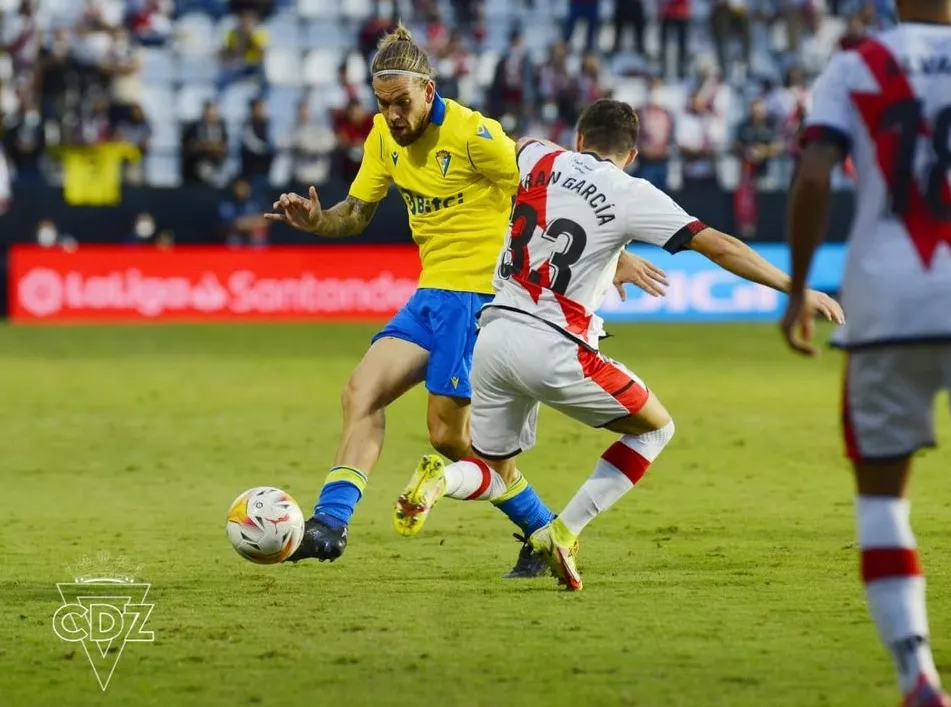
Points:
[(132, 284)]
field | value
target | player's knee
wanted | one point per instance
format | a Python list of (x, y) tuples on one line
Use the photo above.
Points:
[(356, 399), (450, 442)]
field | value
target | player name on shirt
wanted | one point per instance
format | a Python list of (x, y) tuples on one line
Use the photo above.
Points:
[(927, 65), (587, 191)]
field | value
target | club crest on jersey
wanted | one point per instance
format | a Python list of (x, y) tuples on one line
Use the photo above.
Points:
[(443, 159), (483, 132), (395, 156)]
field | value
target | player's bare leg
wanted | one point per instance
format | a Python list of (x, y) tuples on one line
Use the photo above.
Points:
[(894, 585), (448, 421), (389, 369), (469, 478), (645, 434)]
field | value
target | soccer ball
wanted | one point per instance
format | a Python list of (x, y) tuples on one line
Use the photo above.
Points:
[(265, 525)]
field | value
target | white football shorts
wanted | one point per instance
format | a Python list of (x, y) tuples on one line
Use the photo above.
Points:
[(888, 399), (519, 363)]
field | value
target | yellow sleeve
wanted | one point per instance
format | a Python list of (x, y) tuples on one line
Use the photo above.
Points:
[(373, 179), (492, 153)]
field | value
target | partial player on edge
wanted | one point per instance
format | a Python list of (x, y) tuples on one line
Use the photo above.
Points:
[(887, 103)]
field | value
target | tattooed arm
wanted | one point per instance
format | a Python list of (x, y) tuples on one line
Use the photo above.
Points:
[(348, 218)]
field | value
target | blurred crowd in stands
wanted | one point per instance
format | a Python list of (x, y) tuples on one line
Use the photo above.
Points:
[(249, 94)]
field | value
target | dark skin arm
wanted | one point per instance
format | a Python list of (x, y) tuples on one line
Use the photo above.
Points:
[(808, 216)]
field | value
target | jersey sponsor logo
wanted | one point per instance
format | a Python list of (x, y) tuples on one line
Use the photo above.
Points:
[(443, 158), (396, 156), (484, 133), (417, 204)]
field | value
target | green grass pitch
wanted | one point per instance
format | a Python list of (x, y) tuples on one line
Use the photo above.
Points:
[(727, 578)]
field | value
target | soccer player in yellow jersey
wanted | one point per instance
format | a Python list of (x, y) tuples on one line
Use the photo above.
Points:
[(456, 171)]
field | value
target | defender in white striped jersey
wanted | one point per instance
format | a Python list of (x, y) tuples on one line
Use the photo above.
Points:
[(575, 212), (887, 103)]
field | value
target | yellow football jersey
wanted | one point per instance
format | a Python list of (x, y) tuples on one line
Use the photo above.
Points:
[(457, 180)]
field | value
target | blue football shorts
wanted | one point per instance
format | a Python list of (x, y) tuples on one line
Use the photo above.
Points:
[(444, 323)]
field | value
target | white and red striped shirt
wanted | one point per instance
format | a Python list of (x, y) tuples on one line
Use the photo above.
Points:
[(573, 215), (887, 102)]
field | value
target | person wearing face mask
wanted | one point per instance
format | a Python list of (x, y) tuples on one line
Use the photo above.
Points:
[(47, 235), (656, 138), (143, 229)]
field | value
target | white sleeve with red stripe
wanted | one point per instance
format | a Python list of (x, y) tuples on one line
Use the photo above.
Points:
[(529, 154), (830, 120), (653, 217)]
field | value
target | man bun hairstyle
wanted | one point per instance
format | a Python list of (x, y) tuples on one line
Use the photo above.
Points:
[(608, 127), (398, 52)]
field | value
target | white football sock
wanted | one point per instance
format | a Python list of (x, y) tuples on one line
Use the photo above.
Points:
[(472, 479), (894, 586), (620, 467)]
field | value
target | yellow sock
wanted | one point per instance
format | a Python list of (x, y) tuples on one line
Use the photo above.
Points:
[(561, 535)]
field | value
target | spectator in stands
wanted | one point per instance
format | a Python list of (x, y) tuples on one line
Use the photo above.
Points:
[(373, 30), (311, 148), (340, 95), (205, 148), (437, 33), (655, 139), (512, 93), (22, 39), (731, 20), (782, 101), (143, 229), (587, 10), (711, 92), (47, 233), (674, 20), (629, 13), (453, 65), (242, 56), (134, 129), (241, 217), (555, 84), (352, 129), (95, 127), (590, 83), (23, 141), (150, 21), (757, 139), (257, 152), (470, 18), (122, 64), (756, 143), (700, 139), (57, 74), (798, 16)]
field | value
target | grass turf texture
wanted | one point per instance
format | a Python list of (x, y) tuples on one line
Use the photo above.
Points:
[(727, 578)]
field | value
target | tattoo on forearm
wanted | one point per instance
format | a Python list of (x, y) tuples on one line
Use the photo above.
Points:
[(348, 218)]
